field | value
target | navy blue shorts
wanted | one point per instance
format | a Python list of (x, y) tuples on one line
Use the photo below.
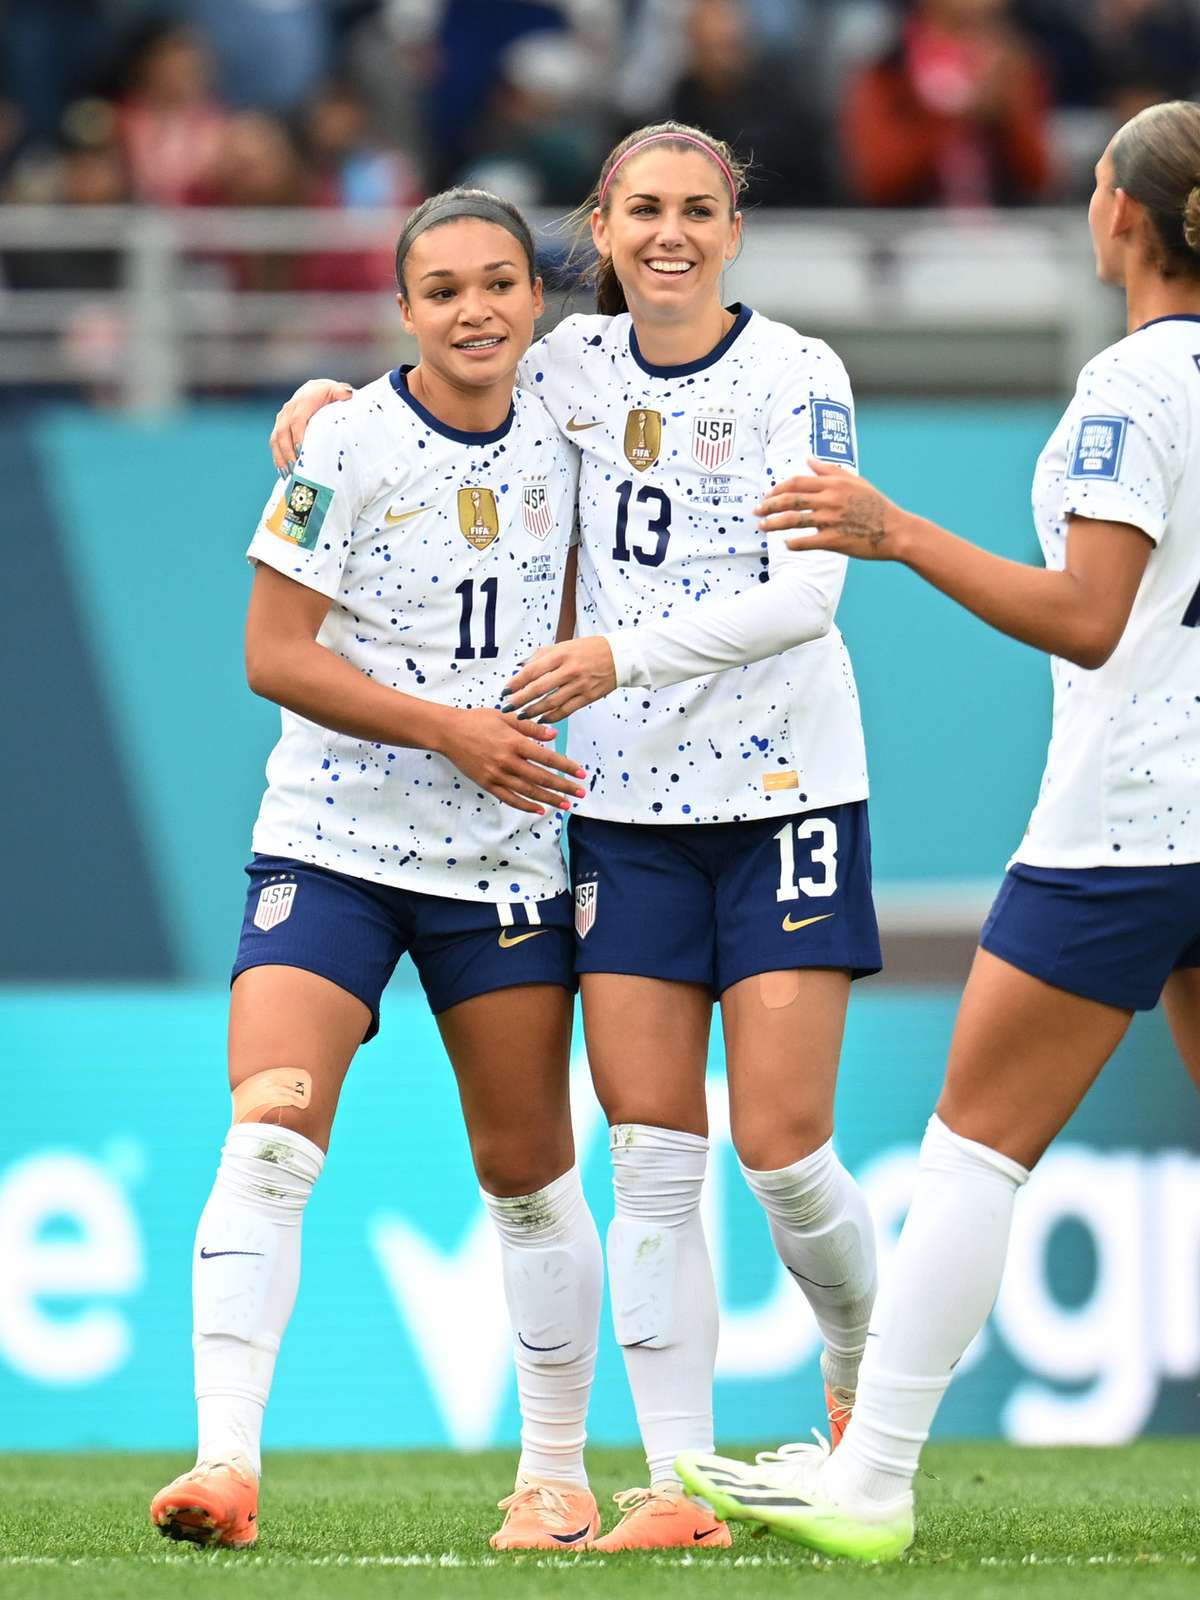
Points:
[(354, 932), (1113, 934), (717, 902)]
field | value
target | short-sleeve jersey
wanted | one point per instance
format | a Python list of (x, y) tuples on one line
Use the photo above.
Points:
[(1122, 779), (443, 553), (674, 459)]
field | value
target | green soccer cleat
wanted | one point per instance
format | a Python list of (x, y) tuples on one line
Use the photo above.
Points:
[(782, 1491)]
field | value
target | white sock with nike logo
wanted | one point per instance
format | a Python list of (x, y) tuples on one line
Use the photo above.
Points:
[(823, 1232), (553, 1283), (245, 1273)]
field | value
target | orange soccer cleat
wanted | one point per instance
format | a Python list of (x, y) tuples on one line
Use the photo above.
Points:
[(839, 1403), (663, 1517), (215, 1503), (547, 1516)]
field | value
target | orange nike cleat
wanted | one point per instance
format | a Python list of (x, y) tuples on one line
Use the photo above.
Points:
[(663, 1517), (840, 1405), (547, 1516), (215, 1503)]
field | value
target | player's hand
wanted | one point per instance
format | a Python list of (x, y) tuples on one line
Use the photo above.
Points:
[(513, 760), (295, 415), (560, 678), (837, 511)]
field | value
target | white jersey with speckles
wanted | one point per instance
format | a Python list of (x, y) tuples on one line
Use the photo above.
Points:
[(674, 459), (1122, 780), (443, 554)]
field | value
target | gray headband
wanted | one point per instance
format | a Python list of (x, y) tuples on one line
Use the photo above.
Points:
[(477, 208)]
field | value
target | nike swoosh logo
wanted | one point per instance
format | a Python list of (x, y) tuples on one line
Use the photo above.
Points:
[(393, 517), (579, 427), (507, 940), (542, 1348), (572, 1538), (704, 1535), (252, 1516), (800, 1278), (208, 1255), (794, 927)]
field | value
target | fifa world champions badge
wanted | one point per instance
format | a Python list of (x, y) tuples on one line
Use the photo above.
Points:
[(478, 518), (537, 515), (643, 438), (586, 895)]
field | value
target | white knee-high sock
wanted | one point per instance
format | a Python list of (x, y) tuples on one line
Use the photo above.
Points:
[(942, 1283), (663, 1297), (245, 1273), (825, 1238), (553, 1282)]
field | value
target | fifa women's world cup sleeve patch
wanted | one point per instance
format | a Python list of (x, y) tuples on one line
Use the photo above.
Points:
[(833, 433), (300, 511), (1098, 448)]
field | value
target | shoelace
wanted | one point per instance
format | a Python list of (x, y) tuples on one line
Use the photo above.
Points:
[(843, 1405), (794, 1454), (545, 1497), (631, 1500)]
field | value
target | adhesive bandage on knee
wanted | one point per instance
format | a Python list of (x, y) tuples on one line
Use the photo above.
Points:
[(275, 1089)]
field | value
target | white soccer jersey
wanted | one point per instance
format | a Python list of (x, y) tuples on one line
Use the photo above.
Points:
[(1122, 780), (673, 461), (443, 553)]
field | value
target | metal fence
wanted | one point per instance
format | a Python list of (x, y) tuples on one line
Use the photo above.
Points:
[(141, 309)]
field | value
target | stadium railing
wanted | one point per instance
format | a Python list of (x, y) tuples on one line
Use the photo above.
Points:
[(143, 308)]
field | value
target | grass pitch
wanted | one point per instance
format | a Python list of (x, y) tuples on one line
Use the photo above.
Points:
[(993, 1521)]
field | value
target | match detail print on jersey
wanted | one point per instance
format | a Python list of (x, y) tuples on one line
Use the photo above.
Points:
[(643, 438), (301, 510), (477, 516), (1098, 448)]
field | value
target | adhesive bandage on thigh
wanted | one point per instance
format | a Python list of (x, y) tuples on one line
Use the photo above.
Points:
[(275, 1089)]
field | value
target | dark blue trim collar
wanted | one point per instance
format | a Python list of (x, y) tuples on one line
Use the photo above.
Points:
[(741, 316), (399, 382), (1179, 316)]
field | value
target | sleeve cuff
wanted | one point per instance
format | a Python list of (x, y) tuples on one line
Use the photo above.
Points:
[(627, 659)]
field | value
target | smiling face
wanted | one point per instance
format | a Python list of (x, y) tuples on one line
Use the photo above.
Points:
[(469, 301), (669, 226)]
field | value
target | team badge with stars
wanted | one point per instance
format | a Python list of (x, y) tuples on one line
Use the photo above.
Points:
[(300, 511), (477, 516), (586, 895), (712, 441), (274, 903), (643, 438), (536, 512)]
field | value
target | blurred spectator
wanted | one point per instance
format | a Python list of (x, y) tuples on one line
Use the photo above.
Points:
[(270, 55), (347, 165), (52, 51), (731, 89), (1091, 46), (955, 115), (171, 123)]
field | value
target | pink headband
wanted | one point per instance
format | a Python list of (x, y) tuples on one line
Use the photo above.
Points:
[(677, 138)]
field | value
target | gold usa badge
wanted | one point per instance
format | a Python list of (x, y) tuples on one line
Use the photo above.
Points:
[(643, 438), (478, 517)]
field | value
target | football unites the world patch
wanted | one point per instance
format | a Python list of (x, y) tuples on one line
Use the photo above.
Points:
[(833, 433), (477, 516), (1098, 448), (712, 441), (300, 511), (274, 905), (536, 512), (643, 438)]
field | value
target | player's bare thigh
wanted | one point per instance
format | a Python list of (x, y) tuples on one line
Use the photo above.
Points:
[(647, 1042), (1181, 1001), (783, 1040), (286, 1017), (1023, 1056), (511, 1053)]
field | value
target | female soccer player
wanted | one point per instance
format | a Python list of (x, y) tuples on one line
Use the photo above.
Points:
[(414, 556), (722, 848), (1099, 914)]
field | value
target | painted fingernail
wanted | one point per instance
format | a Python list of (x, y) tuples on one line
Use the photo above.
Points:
[(581, 794), (564, 805)]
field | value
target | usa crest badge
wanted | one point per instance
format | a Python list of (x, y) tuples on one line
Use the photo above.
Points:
[(643, 438), (536, 512), (478, 517), (274, 906), (586, 895), (712, 441)]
